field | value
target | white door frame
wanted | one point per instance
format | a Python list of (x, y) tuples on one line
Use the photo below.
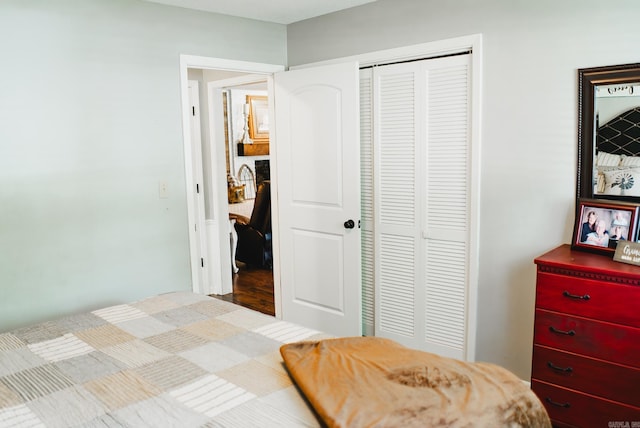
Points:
[(192, 176)]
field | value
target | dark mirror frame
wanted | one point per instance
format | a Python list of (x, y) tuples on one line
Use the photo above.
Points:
[(588, 79)]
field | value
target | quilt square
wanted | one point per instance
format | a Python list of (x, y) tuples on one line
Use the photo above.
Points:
[(35, 382), (256, 377), (18, 417), (161, 411), (119, 313), (211, 395), (78, 322), (145, 327), (8, 398), (246, 319), (179, 316), (155, 304), (176, 341), (285, 332), (135, 353), (121, 389), (257, 413), (105, 335), (10, 342), (212, 329), (224, 357), (213, 307), (250, 344), (90, 366), (170, 372), (61, 348), (18, 360), (39, 332), (70, 407)]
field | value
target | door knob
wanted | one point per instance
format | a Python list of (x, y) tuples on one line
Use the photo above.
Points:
[(349, 224)]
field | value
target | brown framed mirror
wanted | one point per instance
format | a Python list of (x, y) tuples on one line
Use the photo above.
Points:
[(609, 133)]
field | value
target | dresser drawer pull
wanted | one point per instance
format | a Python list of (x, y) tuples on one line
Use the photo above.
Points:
[(568, 333), (575, 296), (555, 403), (559, 369)]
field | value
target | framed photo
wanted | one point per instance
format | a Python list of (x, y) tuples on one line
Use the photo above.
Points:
[(258, 118), (601, 224)]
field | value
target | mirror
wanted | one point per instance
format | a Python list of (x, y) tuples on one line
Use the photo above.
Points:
[(609, 133)]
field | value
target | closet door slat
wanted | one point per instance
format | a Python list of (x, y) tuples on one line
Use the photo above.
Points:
[(366, 201)]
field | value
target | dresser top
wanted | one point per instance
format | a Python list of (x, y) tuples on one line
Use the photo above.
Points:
[(563, 257)]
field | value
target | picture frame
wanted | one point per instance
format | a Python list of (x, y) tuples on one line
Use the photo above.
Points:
[(601, 224), (258, 118)]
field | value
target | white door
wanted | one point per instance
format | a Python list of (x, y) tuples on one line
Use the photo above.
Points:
[(318, 186)]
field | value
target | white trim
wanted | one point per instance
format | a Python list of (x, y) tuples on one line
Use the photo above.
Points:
[(407, 53), (475, 172), (238, 81), (186, 62)]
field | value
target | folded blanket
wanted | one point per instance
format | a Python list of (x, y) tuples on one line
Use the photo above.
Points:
[(370, 381)]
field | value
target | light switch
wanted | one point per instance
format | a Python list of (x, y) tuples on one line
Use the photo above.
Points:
[(163, 190)]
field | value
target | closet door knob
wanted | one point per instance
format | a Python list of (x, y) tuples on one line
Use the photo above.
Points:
[(349, 224)]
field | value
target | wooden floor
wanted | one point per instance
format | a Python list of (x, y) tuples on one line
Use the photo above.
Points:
[(252, 288)]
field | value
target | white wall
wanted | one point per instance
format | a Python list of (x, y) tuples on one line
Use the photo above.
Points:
[(532, 50), (90, 123)]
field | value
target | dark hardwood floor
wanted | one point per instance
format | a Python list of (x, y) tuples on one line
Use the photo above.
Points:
[(252, 288)]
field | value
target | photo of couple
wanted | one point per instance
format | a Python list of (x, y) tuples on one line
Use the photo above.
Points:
[(604, 227)]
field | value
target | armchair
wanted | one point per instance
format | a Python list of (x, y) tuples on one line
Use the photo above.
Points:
[(254, 238)]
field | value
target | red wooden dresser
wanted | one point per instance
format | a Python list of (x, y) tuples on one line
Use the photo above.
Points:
[(586, 346)]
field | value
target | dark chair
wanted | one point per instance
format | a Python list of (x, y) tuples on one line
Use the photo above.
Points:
[(254, 238)]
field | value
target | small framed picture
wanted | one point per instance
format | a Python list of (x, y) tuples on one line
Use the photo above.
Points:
[(601, 224)]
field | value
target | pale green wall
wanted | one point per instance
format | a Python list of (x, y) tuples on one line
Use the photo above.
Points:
[(532, 50), (90, 122)]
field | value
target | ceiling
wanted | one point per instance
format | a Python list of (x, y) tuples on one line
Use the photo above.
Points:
[(278, 11)]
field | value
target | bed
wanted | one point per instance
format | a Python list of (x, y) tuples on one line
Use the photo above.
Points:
[(617, 162), (186, 360)]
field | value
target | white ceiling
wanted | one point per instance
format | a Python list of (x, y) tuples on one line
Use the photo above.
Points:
[(279, 11)]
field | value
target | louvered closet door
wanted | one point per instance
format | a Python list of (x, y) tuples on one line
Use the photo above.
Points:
[(421, 203)]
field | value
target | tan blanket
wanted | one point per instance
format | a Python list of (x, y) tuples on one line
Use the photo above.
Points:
[(368, 381)]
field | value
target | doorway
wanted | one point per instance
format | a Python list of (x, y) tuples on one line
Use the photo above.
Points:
[(248, 175), (211, 263)]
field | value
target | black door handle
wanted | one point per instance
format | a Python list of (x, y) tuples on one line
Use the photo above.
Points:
[(349, 224)]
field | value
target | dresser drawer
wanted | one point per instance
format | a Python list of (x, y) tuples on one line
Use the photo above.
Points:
[(605, 341), (589, 298), (595, 377), (582, 410)]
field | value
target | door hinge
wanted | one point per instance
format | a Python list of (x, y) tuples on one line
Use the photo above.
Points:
[(193, 110), (201, 262)]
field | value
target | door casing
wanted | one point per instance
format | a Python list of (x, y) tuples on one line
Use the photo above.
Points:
[(194, 177)]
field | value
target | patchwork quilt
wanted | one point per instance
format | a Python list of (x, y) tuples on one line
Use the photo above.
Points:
[(173, 360)]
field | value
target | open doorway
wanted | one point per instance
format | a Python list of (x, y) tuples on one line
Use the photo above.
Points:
[(248, 174), (210, 163)]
